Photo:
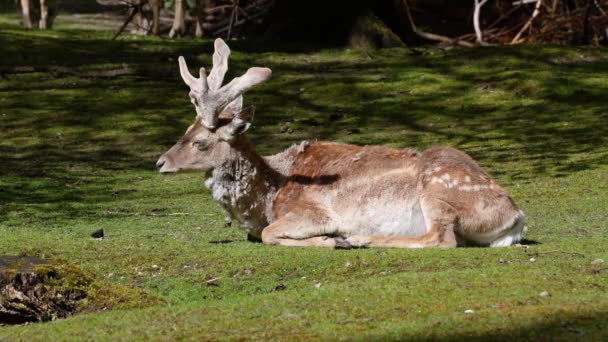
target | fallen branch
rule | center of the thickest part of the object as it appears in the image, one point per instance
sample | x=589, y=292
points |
x=432, y=36
x=134, y=10
x=213, y=281
x=234, y=16
x=516, y=39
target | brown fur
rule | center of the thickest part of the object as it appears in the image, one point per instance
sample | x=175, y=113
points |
x=304, y=204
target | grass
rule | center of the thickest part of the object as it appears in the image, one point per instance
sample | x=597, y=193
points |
x=78, y=154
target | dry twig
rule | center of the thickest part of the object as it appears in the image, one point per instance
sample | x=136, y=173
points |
x=516, y=39
x=432, y=36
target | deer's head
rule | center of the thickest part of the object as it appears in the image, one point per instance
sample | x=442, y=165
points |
x=208, y=142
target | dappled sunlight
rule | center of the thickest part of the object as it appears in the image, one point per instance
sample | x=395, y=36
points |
x=78, y=152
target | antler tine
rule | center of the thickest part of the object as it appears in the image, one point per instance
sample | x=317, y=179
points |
x=212, y=98
x=186, y=75
x=203, y=80
x=239, y=85
x=228, y=97
x=220, y=64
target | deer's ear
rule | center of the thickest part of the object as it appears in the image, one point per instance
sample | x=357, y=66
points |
x=239, y=125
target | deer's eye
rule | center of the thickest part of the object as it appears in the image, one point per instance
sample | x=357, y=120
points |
x=201, y=144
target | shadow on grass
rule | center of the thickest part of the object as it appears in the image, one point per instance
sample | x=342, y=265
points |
x=558, y=327
x=525, y=111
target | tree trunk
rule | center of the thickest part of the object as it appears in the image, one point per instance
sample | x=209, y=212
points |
x=44, y=15
x=178, y=28
x=25, y=12
x=199, y=13
x=155, y=4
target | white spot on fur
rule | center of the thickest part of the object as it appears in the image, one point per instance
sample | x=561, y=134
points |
x=476, y=187
x=437, y=168
x=467, y=179
x=466, y=188
x=445, y=177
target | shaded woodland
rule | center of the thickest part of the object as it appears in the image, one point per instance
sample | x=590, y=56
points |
x=363, y=24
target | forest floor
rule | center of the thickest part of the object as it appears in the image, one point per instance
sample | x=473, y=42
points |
x=83, y=120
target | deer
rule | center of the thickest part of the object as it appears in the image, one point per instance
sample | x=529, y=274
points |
x=331, y=194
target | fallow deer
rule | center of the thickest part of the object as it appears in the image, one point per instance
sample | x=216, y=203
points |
x=330, y=194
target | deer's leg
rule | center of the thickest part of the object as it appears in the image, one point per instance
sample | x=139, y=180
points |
x=227, y=216
x=302, y=230
x=440, y=219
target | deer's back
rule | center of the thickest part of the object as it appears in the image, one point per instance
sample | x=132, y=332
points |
x=348, y=179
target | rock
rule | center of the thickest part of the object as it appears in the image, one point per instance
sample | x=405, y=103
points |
x=544, y=294
x=597, y=262
x=98, y=234
x=532, y=260
x=36, y=290
x=469, y=311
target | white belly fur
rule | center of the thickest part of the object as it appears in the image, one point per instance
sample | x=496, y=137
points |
x=384, y=219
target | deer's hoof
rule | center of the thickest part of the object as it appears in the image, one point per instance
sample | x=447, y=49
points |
x=342, y=244
x=358, y=241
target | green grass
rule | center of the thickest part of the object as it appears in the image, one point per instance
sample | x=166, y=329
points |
x=78, y=155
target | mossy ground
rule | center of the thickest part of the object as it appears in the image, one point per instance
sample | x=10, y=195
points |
x=37, y=290
x=78, y=155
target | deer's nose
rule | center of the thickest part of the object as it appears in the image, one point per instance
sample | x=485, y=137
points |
x=160, y=163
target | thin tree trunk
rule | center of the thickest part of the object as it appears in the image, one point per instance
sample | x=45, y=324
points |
x=476, y=14
x=199, y=28
x=178, y=20
x=44, y=15
x=199, y=13
x=25, y=12
x=155, y=4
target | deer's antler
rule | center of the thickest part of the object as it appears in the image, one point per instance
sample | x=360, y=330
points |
x=207, y=93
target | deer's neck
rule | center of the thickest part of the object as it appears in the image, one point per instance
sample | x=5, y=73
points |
x=245, y=185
